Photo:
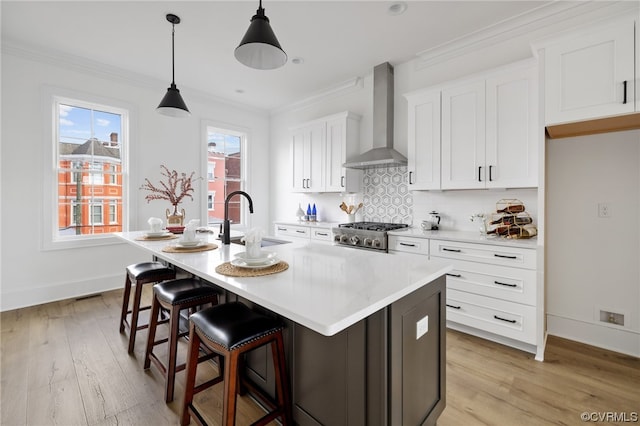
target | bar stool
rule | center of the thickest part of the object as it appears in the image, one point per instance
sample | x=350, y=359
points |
x=231, y=329
x=140, y=274
x=174, y=296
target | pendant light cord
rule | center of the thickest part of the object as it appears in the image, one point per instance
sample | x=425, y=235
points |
x=173, y=53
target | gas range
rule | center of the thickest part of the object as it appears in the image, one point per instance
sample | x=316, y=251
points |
x=367, y=235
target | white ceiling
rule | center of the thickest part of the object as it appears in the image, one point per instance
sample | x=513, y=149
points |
x=338, y=40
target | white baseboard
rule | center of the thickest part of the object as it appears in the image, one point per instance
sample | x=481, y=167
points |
x=526, y=347
x=34, y=295
x=601, y=336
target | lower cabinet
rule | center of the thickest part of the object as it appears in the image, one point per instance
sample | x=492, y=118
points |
x=492, y=288
x=492, y=291
x=316, y=233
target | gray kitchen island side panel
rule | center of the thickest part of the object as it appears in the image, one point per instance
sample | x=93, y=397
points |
x=418, y=363
x=328, y=376
x=376, y=372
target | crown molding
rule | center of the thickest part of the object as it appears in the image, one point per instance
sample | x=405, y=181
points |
x=537, y=19
x=109, y=72
x=340, y=89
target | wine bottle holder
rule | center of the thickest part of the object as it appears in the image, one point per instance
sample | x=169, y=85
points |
x=511, y=220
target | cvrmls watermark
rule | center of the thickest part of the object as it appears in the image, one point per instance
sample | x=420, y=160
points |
x=609, y=416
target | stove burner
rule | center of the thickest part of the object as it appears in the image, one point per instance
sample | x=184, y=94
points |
x=373, y=226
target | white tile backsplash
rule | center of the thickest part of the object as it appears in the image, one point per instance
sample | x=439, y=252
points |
x=386, y=195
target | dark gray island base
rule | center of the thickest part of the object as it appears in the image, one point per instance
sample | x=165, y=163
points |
x=376, y=372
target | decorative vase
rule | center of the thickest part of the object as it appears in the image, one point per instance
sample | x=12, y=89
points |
x=176, y=218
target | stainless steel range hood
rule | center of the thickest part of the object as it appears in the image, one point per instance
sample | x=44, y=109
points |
x=382, y=153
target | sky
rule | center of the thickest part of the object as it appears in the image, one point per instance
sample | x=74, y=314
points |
x=77, y=125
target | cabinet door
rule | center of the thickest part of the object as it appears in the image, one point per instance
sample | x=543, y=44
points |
x=512, y=136
x=424, y=140
x=463, y=136
x=300, y=160
x=336, y=150
x=307, y=151
x=585, y=76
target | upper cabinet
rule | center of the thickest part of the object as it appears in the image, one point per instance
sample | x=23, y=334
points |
x=319, y=148
x=476, y=133
x=590, y=74
x=424, y=140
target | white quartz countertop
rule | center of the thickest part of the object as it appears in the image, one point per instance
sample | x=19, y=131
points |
x=326, y=288
x=466, y=236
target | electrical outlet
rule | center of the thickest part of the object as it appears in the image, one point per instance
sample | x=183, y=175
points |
x=422, y=327
x=604, y=210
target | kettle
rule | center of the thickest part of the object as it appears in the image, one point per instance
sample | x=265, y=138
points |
x=432, y=223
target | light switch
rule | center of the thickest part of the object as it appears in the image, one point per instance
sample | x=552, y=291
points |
x=422, y=327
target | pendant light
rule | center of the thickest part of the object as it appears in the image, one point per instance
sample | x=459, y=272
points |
x=172, y=103
x=259, y=47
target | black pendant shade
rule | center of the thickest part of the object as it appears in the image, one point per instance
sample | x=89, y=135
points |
x=259, y=47
x=172, y=104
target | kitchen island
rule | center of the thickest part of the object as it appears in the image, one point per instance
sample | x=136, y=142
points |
x=365, y=330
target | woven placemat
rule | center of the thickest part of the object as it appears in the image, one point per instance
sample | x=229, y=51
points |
x=176, y=249
x=233, y=271
x=164, y=237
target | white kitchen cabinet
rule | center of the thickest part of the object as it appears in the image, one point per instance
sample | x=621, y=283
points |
x=424, y=140
x=318, y=232
x=292, y=232
x=463, y=136
x=476, y=133
x=590, y=73
x=307, y=147
x=511, y=151
x=408, y=244
x=493, y=289
x=319, y=149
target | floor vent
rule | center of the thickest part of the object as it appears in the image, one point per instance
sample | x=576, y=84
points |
x=612, y=318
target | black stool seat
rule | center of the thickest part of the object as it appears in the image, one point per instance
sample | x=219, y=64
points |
x=148, y=270
x=233, y=324
x=139, y=274
x=182, y=291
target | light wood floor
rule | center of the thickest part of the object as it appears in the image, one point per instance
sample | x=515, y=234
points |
x=65, y=363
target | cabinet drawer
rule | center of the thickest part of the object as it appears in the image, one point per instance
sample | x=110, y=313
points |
x=501, y=282
x=507, y=319
x=409, y=244
x=292, y=231
x=485, y=253
x=323, y=234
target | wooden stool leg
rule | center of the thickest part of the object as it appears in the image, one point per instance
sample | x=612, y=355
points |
x=192, y=365
x=231, y=389
x=125, y=303
x=174, y=325
x=137, y=297
x=151, y=338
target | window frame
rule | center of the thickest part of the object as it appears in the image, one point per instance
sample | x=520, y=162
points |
x=51, y=98
x=245, y=136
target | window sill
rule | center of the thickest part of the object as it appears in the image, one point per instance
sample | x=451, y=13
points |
x=81, y=242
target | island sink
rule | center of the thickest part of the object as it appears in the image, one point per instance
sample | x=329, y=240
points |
x=266, y=242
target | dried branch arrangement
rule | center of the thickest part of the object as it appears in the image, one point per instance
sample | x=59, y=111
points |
x=176, y=187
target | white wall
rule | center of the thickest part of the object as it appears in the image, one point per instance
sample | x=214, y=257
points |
x=31, y=275
x=593, y=263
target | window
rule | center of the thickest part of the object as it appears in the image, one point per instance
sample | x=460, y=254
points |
x=225, y=173
x=113, y=213
x=96, y=213
x=88, y=179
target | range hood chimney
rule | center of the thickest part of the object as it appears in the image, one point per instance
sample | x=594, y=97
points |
x=382, y=153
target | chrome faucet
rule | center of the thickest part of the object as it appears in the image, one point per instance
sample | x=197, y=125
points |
x=226, y=237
